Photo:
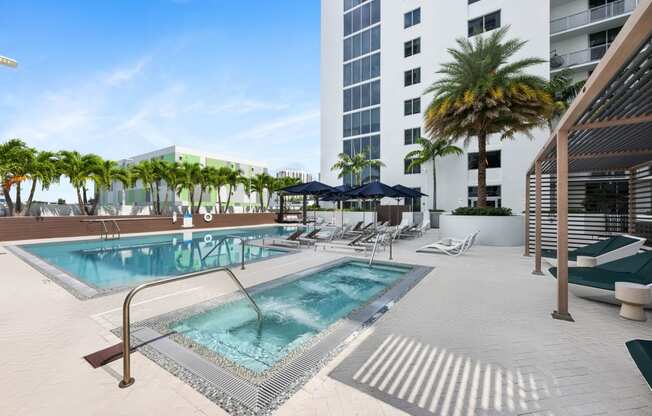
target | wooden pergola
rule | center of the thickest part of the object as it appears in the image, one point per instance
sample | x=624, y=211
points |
x=607, y=128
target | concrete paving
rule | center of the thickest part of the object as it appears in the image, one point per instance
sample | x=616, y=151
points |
x=475, y=337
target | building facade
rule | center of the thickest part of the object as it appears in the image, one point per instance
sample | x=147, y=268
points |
x=379, y=56
x=140, y=195
x=297, y=174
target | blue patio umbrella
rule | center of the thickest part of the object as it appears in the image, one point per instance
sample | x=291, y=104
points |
x=339, y=196
x=376, y=190
x=314, y=188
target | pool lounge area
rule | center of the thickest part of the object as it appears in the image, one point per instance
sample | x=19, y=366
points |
x=467, y=338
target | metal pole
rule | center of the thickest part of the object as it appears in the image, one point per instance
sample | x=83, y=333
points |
x=527, y=216
x=562, y=228
x=537, y=219
x=391, y=241
x=631, y=206
x=127, y=380
x=242, y=266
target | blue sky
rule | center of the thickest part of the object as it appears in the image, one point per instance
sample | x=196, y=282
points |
x=123, y=77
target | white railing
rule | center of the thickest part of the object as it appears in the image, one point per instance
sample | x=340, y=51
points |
x=584, y=56
x=593, y=15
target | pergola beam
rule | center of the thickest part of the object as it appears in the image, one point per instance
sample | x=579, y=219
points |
x=627, y=121
x=599, y=155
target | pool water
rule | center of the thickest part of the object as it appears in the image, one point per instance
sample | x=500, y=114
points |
x=133, y=260
x=293, y=313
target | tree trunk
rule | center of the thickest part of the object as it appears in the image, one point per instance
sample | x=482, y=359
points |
x=80, y=202
x=165, y=200
x=201, y=197
x=96, y=200
x=269, y=197
x=219, y=200
x=482, y=170
x=8, y=201
x=158, y=198
x=434, y=185
x=84, y=194
x=191, y=195
x=228, y=199
x=262, y=201
x=19, y=202
x=30, y=198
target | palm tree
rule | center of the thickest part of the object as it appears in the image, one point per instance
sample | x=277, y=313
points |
x=15, y=159
x=144, y=172
x=219, y=182
x=480, y=94
x=106, y=174
x=429, y=150
x=232, y=179
x=159, y=170
x=355, y=165
x=258, y=184
x=169, y=172
x=207, y=179
x=79, y=169
x=245, y=181
x=563, y=89
x=189, y=174
x=44, y=169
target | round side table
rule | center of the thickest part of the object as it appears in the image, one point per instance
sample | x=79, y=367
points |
x=633, y=297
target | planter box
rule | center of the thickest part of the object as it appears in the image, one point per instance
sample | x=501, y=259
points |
x=494, y=231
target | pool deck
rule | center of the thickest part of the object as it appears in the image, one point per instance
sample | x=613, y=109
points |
x=475, y=337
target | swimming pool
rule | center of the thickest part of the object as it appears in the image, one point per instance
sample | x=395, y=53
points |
x=249, y=367
x=101, y=266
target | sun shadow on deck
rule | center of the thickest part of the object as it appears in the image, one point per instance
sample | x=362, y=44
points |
x=422, y=379
x=114, y=352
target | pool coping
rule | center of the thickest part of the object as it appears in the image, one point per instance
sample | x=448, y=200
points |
x=83, y=291
x=234, y=391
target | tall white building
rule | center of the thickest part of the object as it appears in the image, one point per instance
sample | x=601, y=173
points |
x=379, y=56
x=303, y=176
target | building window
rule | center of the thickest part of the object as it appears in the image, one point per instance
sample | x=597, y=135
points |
x=484, y=23
x=412, y=18
x=364, y=95
x=363, y=122
x=362, y=43
x=362, y=17
x=371, y=147
x=416, y=169
x=362, y=70
x=493, y=196
x=412, y=106
x=493, y=160
x=473, y=1
x=599, y=42
x=411, y=135
x=413, y=76
x=349, y=4
x=412, y=47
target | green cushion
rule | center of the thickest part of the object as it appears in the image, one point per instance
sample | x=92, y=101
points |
x=634, y=269
x=594, y=249
x=641, y=352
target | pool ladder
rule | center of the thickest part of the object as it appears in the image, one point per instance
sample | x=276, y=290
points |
x=222, y=240
x=379, y=238
x=127, y=380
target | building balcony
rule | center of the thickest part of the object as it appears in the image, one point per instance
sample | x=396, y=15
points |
x=583, y=60
x=592, y=19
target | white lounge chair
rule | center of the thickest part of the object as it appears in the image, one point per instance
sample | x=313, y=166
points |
x=450, y=246
x=290, y=241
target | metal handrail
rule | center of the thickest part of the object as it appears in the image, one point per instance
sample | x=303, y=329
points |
x=117, y=228
x=222, y=240
x=373, y=252
x=593, y=15
x=127, y=380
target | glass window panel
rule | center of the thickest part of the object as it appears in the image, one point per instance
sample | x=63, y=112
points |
x=356, y=72
x=356, y=146
x=355, y=20
x=375, y=173
x=407, y=107
x=375, y=120
x=407, y=46
x=356, y=46
x=366, y=68
x=347, y=147
x=366, y=42
x=375, y=65
x=416, y=106
x=375, y=147
x=407, y=136
x=366, y=147
x=375, y=11
x=375, y=38
x=375, y=93
x=407, y=20
x=348, y=74
x=347, y=49
x=416, y=46
x=365, y=95
x=407, y=78
x=416, y=76
x=347, y=125
x=355, y=124
x=475, y=26
x=347, y=100
x=492, y=21
x=355, y=97
x=348, y=28
x=416, y=16
x=365, y=15
x=365, y=122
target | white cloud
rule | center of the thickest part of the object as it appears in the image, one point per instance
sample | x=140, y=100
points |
x=281, y=126
x=124, y=75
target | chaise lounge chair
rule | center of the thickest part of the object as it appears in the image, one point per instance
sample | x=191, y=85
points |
x=451, y=246
x=357, y=244
x=641, y=352
x=600, y=252
x=290, y=241
x=599, y=282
